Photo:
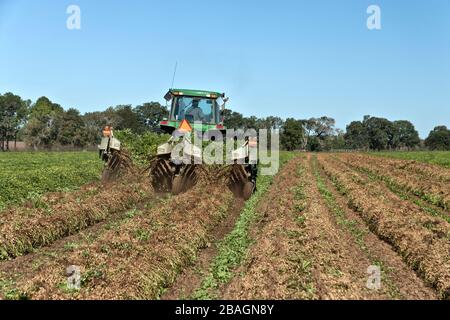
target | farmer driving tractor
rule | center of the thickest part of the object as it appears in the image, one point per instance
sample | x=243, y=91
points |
x=195, y=113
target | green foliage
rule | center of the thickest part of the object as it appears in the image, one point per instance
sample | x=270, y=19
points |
x=45, y=124
x=13, y=115
x=70, y=128
x=357, y=136
x=405, y=135
x=150, y=114
x=145, y=117
x=41, y=130
x=419, y=198
x=9, y=291
x=293, y=134
x=314, y=134
x=233, y=119
x=439, y=139
x=335, y=142
x=381, y=134
x=128, y=119
x=141, y=146
x=27, y=175
x=314, y=144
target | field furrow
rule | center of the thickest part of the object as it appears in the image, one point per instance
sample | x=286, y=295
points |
x=422, y=240
x=233, y=248
x=23, y=229
x=431, y=183
x=411, y=167
x=405, y=193
x=134, y=259
x=305, y=250
x=271, y=269
x=397, y=279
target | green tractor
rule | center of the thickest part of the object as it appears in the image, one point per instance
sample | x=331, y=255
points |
x=193, y=112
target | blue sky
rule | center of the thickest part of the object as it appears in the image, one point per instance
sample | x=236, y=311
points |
x=288, y=58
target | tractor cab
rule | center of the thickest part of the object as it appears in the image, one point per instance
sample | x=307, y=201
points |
x=200, y=110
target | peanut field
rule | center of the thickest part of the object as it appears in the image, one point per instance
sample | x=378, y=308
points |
x=322, y=228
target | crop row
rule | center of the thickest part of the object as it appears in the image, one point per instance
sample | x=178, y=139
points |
x=421, y=183
x=137, y=257
x=423, y=241
x=236, y=246
x=23, y=229
x=441, y=158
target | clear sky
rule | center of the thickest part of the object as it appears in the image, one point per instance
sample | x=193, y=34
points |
x=288, y=58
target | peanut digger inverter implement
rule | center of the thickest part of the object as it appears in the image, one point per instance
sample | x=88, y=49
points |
x=193, y=112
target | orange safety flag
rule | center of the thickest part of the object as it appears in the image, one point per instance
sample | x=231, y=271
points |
x=185, y=126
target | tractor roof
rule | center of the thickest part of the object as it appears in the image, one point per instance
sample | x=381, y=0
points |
x=195, y=93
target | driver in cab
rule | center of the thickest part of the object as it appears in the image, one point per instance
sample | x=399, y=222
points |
x=194, y=112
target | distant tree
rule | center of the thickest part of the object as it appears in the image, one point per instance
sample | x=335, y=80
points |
x=13, y=116
x=335, y=142
x=438, y=139
x=233, y=119
x=323, y=126
x=109, y=117
x=292, y=134
x=251, y=123
x=272, y=122
x=356, y=136
x=405, y=135
x=317, y=131
x=37, y=133
x=44, y=123
x=71, y=128
x=127, y=118
x=308, y=127
x=44, y=108
x=150, y=114
x=381, y=133
x=40, y=130
x=314, y=144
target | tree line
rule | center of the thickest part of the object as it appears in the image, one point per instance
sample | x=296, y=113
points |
x=320, y=134
x=44, y=124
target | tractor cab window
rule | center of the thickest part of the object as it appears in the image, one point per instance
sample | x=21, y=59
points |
x=194, y=109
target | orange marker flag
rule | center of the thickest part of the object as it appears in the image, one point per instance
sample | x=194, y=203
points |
x=185, y=126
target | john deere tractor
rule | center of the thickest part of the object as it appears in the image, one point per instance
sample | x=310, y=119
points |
x=192, y=112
